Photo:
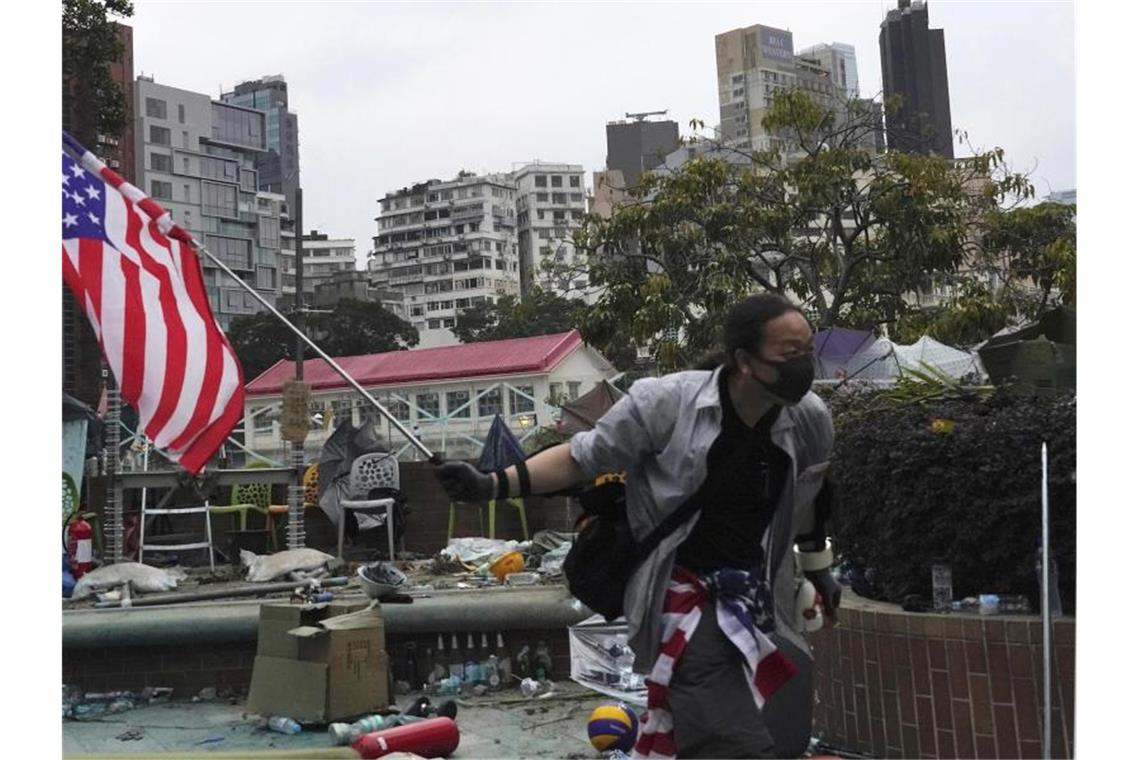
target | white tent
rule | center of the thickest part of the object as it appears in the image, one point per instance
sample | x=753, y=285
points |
x=885, y=360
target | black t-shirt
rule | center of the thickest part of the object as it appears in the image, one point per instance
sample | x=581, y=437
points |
x=746, y=474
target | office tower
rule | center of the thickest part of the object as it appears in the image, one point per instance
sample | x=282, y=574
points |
x=913, y=58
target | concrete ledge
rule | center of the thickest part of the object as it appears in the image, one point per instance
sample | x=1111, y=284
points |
x=467, y=610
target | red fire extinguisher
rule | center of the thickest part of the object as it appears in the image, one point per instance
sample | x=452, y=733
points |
x=79, y=535
x=434, y=737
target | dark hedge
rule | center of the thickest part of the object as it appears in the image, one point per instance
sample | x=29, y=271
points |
x=971, y=498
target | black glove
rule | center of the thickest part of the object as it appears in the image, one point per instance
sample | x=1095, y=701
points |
x=829, y=590
x=464, y=483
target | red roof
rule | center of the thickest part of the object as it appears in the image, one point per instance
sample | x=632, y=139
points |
x=517, y=356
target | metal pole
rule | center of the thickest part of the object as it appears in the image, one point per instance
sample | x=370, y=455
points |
x=336, y=367
x=295, y=529
x=1046, y=612
x=113, y=511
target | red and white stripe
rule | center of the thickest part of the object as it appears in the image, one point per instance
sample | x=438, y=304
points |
x=146, y=299
x=764, y=666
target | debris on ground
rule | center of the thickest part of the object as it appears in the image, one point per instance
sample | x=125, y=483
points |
x=130, y=735
x=141, y=578
x=211, y=740
x=262, y=568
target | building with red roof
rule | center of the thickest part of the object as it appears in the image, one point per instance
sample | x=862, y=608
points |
x=449, y=395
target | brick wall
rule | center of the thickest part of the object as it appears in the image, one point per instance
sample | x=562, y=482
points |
x=897, y=684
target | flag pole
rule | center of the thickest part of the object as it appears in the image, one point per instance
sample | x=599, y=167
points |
x=423, y=449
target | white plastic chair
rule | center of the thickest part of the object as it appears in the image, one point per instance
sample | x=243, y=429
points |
x=380, y=470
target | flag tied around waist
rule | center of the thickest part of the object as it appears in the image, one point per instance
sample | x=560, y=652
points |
x=138, y=278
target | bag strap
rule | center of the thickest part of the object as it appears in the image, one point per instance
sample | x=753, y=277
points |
x=645, y=547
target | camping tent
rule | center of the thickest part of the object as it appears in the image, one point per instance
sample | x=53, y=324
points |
x=884, y=360
x=583, y=413
x=833, y=347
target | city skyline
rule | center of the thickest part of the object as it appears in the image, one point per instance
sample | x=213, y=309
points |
x=379, y=109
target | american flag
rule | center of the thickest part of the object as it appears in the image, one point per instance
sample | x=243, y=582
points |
x=137, y=276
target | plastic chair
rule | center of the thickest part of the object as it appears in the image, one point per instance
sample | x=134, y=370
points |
x=516, y=502
x=379, y=470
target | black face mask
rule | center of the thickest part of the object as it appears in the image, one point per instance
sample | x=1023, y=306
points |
x=794, y=381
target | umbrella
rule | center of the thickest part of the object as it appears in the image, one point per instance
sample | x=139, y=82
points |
x=583, y=413
x=337, y=455
x=501, y=449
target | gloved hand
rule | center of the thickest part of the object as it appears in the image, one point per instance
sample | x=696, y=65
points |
x=464, y=483
x=829, y=590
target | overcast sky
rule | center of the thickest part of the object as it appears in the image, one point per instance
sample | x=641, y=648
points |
x=388, y=94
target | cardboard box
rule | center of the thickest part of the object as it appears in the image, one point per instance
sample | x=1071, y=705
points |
x=325, y=668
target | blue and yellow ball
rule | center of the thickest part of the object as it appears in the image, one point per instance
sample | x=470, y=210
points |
x=613, y=726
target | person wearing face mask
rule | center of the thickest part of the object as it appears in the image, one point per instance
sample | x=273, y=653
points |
x=712, y=611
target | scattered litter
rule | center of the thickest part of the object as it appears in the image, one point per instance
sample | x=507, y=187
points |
x=142, y=578
x=529, y=687
x=601, y=659
x=208, y=694
x=522, y=579
x=476, y=550
x=131, y=735
x=283, y=725
x=212, y=740
x=264, y=568
x=553, y=559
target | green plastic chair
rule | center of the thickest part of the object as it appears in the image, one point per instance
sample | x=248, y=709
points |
x=516, y=502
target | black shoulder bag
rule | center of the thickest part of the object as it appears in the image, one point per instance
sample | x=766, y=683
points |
x=604, y=554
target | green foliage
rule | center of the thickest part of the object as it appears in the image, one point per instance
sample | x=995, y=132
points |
x=822, y=218
x=914, y=492
x=92, y=102
x=542, y=312
x=352, y=328
x=539, y=312
x=1037, y=245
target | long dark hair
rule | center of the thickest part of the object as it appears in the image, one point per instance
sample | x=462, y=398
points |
x=744, y=327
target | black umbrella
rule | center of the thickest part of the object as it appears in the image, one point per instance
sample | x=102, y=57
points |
x=341, y=449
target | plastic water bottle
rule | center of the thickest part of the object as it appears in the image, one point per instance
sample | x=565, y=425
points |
x=283, y=725
x=624, y=660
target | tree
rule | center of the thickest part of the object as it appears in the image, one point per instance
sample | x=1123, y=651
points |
x=92, y=102
x=1035, y=245
x=820, y=217
x=352, y=328
x=539, y=312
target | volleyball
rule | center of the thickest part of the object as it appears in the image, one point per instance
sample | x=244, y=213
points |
x=613, y=726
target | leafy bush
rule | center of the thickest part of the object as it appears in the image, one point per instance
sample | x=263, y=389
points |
x=915, y=492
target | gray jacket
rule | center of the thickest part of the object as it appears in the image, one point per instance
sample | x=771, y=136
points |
x=660, y=434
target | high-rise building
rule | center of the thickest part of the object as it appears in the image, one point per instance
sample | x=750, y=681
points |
x=753, y=64
x=838, y=59
x=197, y=158
x=278, y=169
x=323, y=259
x=634, y=147
x=914, y=67
x=447, y=246
x=81, y=352
x=550, y=201
x=1068, y=197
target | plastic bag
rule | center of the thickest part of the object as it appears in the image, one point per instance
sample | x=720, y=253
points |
x=601, y=659
x=476, y=550
x=552, y=560
x=142, y=579
x=262, y=568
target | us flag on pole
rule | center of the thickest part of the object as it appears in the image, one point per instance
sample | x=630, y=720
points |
x=137, y=276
